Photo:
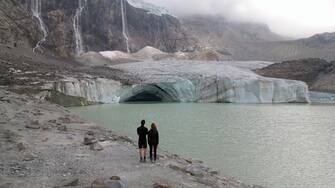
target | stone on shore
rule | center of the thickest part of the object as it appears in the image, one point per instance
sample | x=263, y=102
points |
x=113, y=182
x=21, y=146
x=34, y=124
x=96, y=147
x=161, y=185
x=89, y=138
x=69, y=183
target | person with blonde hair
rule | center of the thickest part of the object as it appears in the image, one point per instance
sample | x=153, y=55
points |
x=153, y=141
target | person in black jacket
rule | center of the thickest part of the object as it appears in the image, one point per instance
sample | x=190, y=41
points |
x=153, y=141
x=142, y=141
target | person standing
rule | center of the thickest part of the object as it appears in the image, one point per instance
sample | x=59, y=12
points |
x=153, y=141
x=142, y=132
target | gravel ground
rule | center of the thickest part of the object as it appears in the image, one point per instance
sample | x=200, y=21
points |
x=41, y=145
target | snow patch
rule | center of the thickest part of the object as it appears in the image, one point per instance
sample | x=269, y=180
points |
x=152, y=9
x=115, y=55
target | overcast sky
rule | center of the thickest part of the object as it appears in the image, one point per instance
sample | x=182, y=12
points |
x=294, y=18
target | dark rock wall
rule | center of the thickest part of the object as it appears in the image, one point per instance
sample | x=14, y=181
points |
x=17, y=26
x=101, y=26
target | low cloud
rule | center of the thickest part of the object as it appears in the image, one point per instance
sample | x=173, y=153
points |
x=294, y=18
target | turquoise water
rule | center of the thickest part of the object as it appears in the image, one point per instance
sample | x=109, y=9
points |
x=277, y=146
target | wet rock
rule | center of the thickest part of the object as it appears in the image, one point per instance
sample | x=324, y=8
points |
x=177, y=167
x=96, y=147
x=89, y=138
x=192, y=161
x=214, y=172
x=208, y=181
x=195, y=171
x=161, y=185
x=125, y=139
x=69, y=183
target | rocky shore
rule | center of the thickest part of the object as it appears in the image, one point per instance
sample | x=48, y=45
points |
x=45, y=145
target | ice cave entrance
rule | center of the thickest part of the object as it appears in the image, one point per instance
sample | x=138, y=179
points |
x=148, y=93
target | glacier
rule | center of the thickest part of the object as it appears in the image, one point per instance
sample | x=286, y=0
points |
x=99, y=90
x=185, y=81
x=201, y=81
x=152, y=9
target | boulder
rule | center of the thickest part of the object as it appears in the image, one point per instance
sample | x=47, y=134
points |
x=161, y=185
x=89, y=138
x=34, y=124
x=21, y=146
x=96, y=147
x=113, y=182
x=62, y=128
x=69, y=183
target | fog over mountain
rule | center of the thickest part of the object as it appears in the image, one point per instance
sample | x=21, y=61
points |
x=296, y=19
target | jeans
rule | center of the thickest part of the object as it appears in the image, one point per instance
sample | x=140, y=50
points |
x=154, y=147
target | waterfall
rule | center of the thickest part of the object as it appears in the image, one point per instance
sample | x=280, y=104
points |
x=124, y=24
x=76, y=27
x=36, y=9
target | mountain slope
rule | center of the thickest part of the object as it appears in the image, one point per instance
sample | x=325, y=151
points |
x=251, y=41
x=317, y=73
x=87, y=25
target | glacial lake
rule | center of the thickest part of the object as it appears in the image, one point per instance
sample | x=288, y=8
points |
x=276, y=146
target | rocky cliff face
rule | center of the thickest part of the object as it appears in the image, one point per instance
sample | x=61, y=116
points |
x=17, y=28
x=90, y=25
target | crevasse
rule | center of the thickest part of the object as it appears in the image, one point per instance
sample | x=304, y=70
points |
x=36, y=9
x=77, y=28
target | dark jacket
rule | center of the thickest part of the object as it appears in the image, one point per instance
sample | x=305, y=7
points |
x=153, y=137
x=142, y=134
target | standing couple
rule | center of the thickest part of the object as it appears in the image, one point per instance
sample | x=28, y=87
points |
x=153, y=141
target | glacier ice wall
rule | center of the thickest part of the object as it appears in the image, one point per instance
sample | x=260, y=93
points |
x=212, y=82
x=92, y=89
x=181, y=91
x=185, y=81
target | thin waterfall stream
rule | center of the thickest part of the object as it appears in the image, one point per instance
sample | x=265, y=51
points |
x=77, y=28
x=36, y=9
x=124, y=24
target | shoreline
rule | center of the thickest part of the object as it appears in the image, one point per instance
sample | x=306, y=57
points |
x=43, y=146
